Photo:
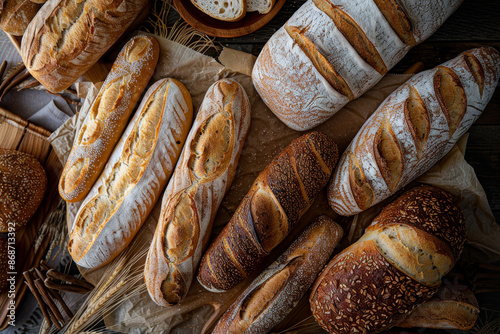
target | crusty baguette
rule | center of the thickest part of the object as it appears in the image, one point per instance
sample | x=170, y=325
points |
x=412, y=129
x=108, y=117
x=201, y=179
x=67, y=37
x=22, y=186
x=332, y=51
x=225, y=10
x=282, y=192
x=450, y=308
x=16, y=15
x=277, y=290
x=135, y=175
x=395, y=266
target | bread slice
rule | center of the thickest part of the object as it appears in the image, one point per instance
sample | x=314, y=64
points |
x=225, y=10
x=261, y=6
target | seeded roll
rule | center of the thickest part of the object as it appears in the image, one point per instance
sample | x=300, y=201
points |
x=282, y=192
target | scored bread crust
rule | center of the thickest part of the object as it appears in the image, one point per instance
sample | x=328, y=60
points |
x=365, y=28
x=278, y=289
x=202, y=177
x=22, y=186
x=218, y=9
x=67, y=37
x=279, y=196
x=136, y=173
x=412, y=129
x=375, y=283
x=16, y=15
x=108, y=116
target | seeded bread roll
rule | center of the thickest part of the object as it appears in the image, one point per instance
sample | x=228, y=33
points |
x=332, y=51
x=412, y=129
x=16, y=15
x=108, y=117
x=67, y=37
x=201, y=179
x=136, y=173
x=395, y=266
x=449, y=308
x=282, y=192
x=275, y=292
x=22, y=186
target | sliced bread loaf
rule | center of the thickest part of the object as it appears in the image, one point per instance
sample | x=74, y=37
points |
x=262, y=6
x=225, y=10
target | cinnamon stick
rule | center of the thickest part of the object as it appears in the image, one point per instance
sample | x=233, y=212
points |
x=31, y=286
x=41, y=288
x=68, y=278
x=55, y=295
x=2, y=68
x=50, y=283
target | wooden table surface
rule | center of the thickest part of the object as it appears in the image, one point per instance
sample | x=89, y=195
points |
x=475, y=23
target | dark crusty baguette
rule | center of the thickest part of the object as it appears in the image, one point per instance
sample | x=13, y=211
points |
x=67, y=37
x=202, y=177
x=332, y=51
x=451, y=307
x=22, y=186
x=282, y=192
x=108, y=117
x=412, y=129
x=395, y=266
x=277, y=290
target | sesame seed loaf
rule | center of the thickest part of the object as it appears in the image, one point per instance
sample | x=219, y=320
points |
x=133, y=178
x=396, y=265
x=67, y=37
x=279, y=196
x=108, y=117
x=276, y=291
x=16, y=15
x=412, y=129
x=22, y=186
x=332, y=51
x=202, y=177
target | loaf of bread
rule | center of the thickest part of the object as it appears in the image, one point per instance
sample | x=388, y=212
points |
x=135, y=175
x=225, y=10
x=67, y=37
x=412, y=129
x=282, y=192
x=450, y=308
x=22, y=186
x=16, y=15
x=261, y=6
x=277, y=290
x=108, y=117
x=201, y=179
x=332, y=51
x=395, y=266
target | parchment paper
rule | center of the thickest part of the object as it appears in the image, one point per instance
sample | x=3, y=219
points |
x=267, y=137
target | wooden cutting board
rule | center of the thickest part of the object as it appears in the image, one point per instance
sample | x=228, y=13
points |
x=18, y=134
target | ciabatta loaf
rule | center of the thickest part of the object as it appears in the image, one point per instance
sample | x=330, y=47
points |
x=108, y=117
x=278, y=289
x=412, y=129
x=280, y=195
x=332, y=51
x=67, y=37
x=395, y=266
x=201, y=179
x=135, y=175
x=225, y=10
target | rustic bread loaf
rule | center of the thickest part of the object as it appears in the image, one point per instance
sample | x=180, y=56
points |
x=67, y=37
x=412, y=129
x=277, y=290
x=22, y=186
x=395, y=266
x=135, y=175
x=261, y=6
x=108, y=117
x=282, y=192
x=225, y=10
x=332, y=51
x=16, y=15
x=201, y=179
x=449, y=308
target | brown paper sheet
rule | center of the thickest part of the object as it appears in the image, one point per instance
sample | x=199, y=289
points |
x=267, y=137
